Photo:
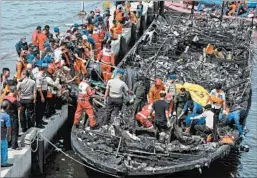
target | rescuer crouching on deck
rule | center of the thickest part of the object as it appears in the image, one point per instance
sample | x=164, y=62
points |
x=83, y=103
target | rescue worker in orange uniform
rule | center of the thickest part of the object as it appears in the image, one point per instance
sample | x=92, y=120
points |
x=119, y=15
x=142, y=116
x=83, y=103
x=79, y=65
x=88, y=51
x=21, y=64
x=232, y=8
x=41, y=40
x=116, y=29
x=154, y=93
x=35, y=36
x=98, y=41
x=106, y=56
x=132, y=17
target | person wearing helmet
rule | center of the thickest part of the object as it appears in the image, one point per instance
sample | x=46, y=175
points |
x=237, y=119
x=88, y=50
x=56, y=34
x=171, y=91
x=21, y=64
x=154, y=93
x=179, y=101
x=21, y=45
x=106, y=57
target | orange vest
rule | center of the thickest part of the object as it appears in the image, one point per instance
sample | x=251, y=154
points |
x=20, y=66
x=98, y=44
x=133, y=18
x=41, y=40
x=142, y=116
x=113, y=33
x=106, y=57
x=118, y=15
x=118, y=28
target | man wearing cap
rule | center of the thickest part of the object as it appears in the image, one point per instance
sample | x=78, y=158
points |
x=170, y=89
x=35, y=36
x=206, y=128
x=85, y=92
x=106, y=56
x=114, y=93
x=56, y=34
x=41, y=85
x=21, y=45
x=27, y=94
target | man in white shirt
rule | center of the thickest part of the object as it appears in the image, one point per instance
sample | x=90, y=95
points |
x=209, y=120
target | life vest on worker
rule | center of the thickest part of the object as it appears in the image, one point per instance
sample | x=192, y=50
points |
x=113, y=33
x=142, y=116
x=118, y=28
x=41, y=40
x=35, y=38
x=51, y=67
x=21, y=65
x=133, y=18
x=106, y=56
x=84, y=93
x=118, y=15
x=217, y=98
x=98, y=44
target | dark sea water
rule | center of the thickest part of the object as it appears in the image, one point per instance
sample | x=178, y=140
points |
x=19, y=18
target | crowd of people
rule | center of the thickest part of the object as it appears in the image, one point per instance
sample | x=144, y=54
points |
x=53, y=60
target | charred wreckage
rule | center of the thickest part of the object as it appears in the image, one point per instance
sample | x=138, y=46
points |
x=172, y=44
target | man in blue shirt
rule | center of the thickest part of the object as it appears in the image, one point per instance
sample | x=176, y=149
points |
x=238, y=118
x=5, y=133
x=191, y=109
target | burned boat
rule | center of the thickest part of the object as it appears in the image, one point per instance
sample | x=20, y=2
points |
x=178, y=45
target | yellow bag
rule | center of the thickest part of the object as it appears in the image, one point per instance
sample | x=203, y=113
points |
x=197, y=92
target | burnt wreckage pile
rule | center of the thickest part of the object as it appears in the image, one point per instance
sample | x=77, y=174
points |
x=175, y=46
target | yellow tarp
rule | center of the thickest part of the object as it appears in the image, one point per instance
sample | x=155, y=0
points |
x=197, y=92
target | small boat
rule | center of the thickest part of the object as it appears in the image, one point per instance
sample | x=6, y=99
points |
x=251, y=3
x=186, y=8
x=125, y=149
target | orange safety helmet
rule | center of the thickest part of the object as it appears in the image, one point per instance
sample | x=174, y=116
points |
x=158, y=82
x=97, y=11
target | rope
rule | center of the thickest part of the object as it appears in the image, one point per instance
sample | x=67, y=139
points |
x=79, y=162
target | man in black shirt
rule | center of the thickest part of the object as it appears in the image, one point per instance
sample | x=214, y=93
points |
x=161, y=109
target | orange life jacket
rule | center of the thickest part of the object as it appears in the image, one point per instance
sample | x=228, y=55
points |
x=142, y=116
x=20, y=66
x=118, y=15
x=106, y=56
